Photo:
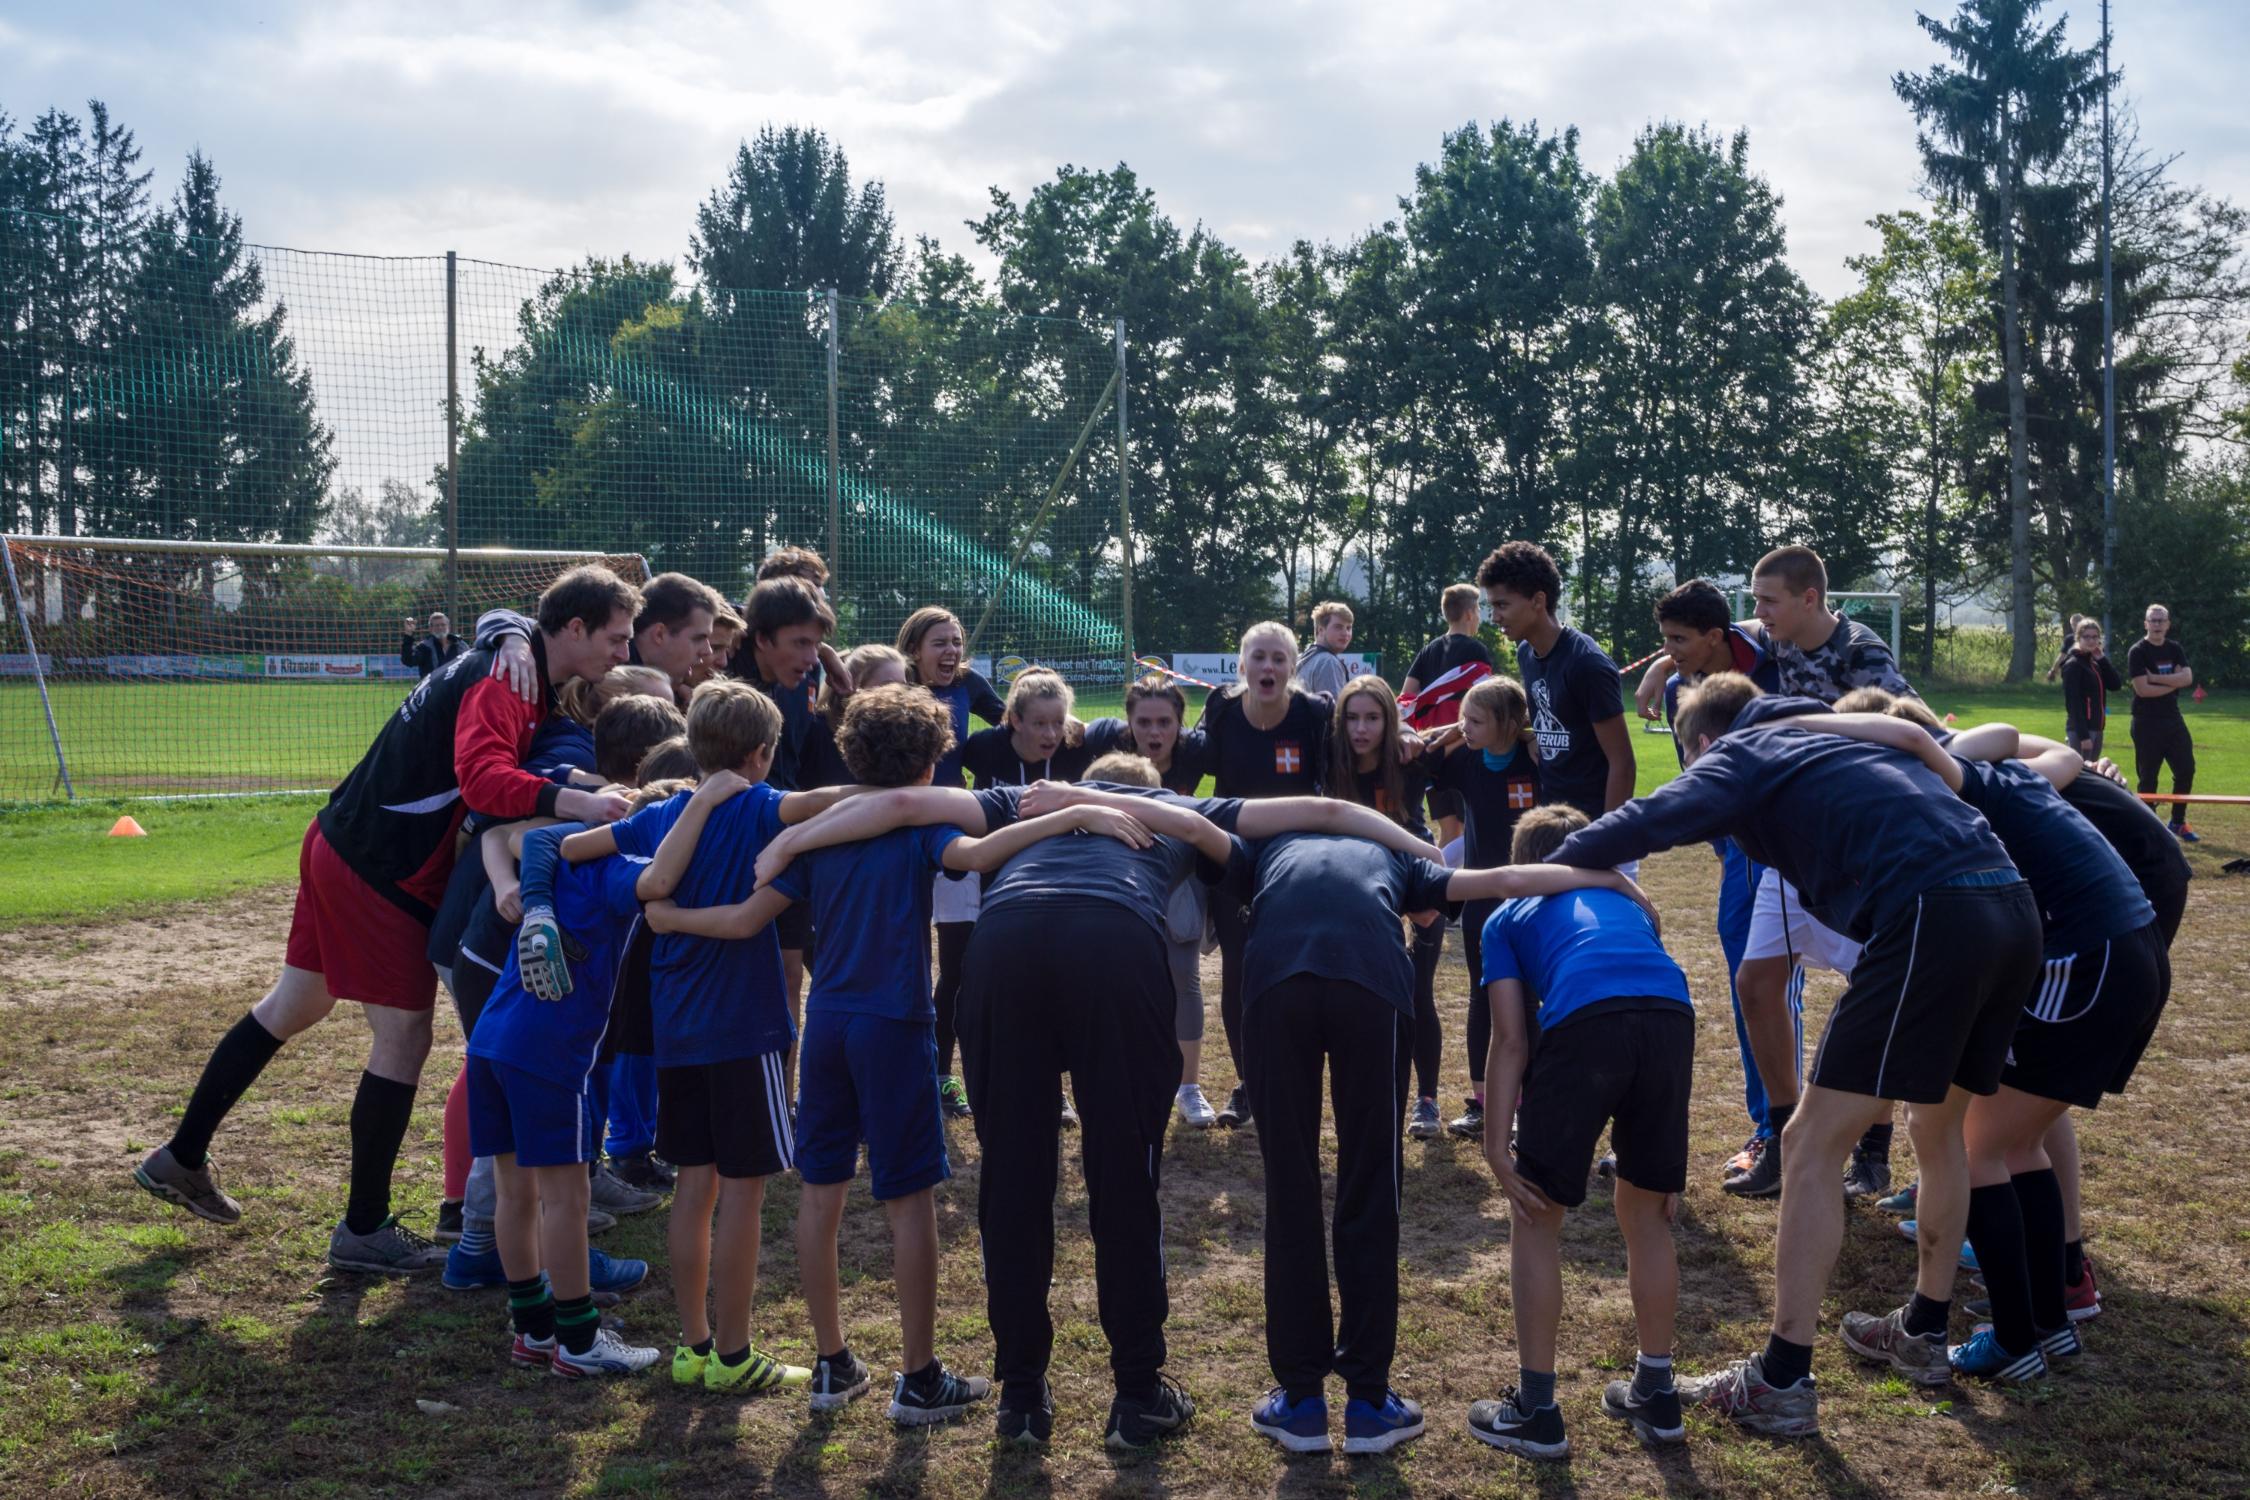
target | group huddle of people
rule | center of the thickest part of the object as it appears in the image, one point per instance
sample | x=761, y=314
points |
x=628, y=830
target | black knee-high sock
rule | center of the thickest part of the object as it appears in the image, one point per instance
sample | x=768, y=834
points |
x=2074, y=1262
x=1996, y=1233
x=1877, y=1140
x=379, y=1116
x=2039, y=1196
x=242, y=1054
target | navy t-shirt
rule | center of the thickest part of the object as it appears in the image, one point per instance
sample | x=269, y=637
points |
x=1572, y=688
x=2084, y=890
x=1283, y=761
x=991, y=760
x=559, y=1040
x=1493, y=799
x=1329, y=905
x=1367, y=790
x=864, y=896
x=1191, y=753
x=1082, y=866
x=968, y=693
x=1578, y=949
x=2147, y=659
x=2150, y=850
x=714, y=1000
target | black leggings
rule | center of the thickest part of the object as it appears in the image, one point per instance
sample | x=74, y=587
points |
x=1473, y=914
x=1427, y=944
x=952, y=959
x=1233, y=924
x=2157, y=742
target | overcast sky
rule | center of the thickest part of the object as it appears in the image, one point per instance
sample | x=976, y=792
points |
x=539, y=133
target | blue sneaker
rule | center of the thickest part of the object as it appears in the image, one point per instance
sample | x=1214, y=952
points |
x=470, y=1271
x=1369, y=1428
x=612, y=1274
x=1299, y=1426
x=1908, y=1227
x=606, y=1275
x=1983, y=1358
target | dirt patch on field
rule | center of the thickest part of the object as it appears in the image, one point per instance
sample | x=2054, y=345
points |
x=214, y=946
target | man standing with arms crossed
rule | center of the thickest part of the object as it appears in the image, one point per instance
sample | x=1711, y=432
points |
x=2158, y=668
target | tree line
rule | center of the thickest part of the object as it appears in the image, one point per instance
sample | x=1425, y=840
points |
x=1623, y=365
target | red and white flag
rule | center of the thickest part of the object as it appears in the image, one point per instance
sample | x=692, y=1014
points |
x=1439, y=703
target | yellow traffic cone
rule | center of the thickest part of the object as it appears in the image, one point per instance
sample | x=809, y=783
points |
x=126, y=828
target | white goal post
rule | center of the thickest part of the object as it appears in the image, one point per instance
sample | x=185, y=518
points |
x=144, y=666
x=1880, y=613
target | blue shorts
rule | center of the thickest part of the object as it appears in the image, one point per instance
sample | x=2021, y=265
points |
x=872, y=1079
x=543, y=1123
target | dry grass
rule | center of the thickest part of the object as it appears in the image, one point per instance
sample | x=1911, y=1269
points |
x=147, y=1353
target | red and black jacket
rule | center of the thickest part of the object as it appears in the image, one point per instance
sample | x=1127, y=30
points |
x=454, y=745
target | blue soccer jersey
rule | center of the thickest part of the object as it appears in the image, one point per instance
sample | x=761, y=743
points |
x=1574, y=950
x=558, y=1040
x=871, y=904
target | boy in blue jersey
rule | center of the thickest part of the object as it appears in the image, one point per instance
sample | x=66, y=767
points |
x=721, y=1026
x=1329, y=989
x=531, y=1108
x=1701, y=638
x=868, y=1070
x=1880, y=850
x=1585, y=974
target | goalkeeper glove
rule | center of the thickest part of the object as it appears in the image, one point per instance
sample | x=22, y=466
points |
x=540, y=956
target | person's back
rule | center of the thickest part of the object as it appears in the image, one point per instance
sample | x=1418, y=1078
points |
x=559, y=1040
x=2140, y=838
x=862, y=896
x=2085, y=890
x=1329, y=904
x=1581, y=950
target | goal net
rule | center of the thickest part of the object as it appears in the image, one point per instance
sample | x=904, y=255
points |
x=137, y=667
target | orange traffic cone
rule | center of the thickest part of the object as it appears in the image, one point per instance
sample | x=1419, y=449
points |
x=126, y=828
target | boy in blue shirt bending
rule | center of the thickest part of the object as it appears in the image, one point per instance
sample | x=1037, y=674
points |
x=531, y=1107
x=868, y=1070
x=1615, y=1047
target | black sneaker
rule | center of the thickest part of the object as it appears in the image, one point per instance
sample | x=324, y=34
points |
x=1655, y=1417
x=945, y=1397
x=1237, y=1111
x=1027, y=1426
x=1135, y=1424
x=448, y=1229
x=641, y=1169
x=1869, y=1175
x=1470, y=1126
x=837, y=1383
x=1763, y=1180
x=1505, y=1424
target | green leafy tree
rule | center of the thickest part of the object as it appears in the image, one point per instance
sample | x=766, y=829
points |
x=2004, y=107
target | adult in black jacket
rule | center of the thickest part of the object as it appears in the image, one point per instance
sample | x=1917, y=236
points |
x=2088, y=678
x=433, y=650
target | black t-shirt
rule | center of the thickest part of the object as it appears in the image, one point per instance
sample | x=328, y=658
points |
x=1414, y=784
x=2139, y=836
x=1491, y=801
x=2147, y=658
x=990, y=758
x=1283, y=761
x=1572, y=688
x=1329, y=905
x=1078, y=867
x=1191, y=753
x=2084, y=888
x=1433, y=661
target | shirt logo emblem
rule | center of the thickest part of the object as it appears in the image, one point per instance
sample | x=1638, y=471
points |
x=1521, y=794
x=1288, y=757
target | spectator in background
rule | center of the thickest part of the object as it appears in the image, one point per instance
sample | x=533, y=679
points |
x=2158, y=666
x=1322, y=668
x=2088, y=678
x=433, y=651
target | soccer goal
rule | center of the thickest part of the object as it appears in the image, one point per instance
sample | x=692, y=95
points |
x=135, y=667
x=1878, y=612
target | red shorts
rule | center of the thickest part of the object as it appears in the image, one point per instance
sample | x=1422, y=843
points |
x=362, y=946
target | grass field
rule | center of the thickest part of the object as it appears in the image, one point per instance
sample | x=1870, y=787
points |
x=146, y=1353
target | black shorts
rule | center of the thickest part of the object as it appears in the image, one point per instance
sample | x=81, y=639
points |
x=2089, y=1019
x=1625, y=1064
x=1443, y=802
x=1934, y=998
x=733, y=1115
x=793, y=928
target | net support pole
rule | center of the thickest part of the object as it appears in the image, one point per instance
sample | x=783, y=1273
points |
x=1124, y=509
x=452, y=439
x=38, y=673
x=835, y=480
x=2109, y=370
x=1039, y=517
